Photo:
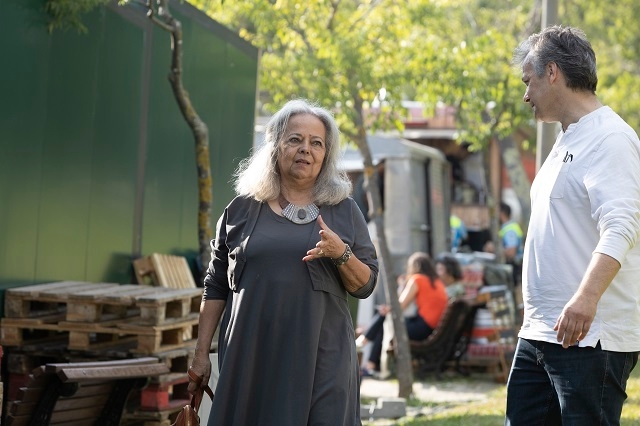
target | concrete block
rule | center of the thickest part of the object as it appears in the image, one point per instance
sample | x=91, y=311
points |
x=385, y=408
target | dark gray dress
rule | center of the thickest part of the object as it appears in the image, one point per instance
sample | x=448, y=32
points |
x=287, y=355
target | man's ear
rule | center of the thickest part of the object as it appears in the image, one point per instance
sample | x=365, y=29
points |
x=552, y=71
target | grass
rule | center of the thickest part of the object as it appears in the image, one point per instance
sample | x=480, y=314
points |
x=490, y=412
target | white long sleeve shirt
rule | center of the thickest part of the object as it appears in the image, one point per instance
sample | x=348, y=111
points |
x=586, y=199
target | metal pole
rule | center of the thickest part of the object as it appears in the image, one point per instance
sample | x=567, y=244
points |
x=546, y=132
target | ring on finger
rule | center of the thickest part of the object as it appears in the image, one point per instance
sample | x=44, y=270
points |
x=321, y=253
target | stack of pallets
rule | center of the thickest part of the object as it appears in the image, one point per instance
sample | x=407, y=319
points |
x=80, y=321
x=95, y=316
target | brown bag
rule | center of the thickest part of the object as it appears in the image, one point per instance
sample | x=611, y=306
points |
x=189, y=414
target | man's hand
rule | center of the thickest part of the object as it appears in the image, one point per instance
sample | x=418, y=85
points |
x=578, y=314
x=575, y=320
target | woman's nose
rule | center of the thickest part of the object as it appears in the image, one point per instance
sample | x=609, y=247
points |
x=304, y=146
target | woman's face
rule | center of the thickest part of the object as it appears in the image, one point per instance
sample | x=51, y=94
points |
x=303, y=149
x=441, y=270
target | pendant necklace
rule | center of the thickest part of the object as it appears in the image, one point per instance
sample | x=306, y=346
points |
x=298, y=214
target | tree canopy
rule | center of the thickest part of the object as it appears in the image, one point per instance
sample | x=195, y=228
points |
x=455, y=52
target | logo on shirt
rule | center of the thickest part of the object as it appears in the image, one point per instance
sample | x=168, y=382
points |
x=568, y=158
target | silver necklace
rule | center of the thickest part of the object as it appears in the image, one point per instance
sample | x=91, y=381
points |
x=298, y=214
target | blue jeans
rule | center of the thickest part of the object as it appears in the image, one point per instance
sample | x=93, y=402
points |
x=417, y=329
x=550, y=385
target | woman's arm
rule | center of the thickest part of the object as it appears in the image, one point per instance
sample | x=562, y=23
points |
x=210, y=314
x=354, y=273
x=408, y=294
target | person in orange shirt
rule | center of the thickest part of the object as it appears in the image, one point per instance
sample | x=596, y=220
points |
x=430, y=296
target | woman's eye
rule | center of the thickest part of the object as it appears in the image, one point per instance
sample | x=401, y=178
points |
x=317, y=143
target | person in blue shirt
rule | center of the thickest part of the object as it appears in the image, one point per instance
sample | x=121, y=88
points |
x=458, y=233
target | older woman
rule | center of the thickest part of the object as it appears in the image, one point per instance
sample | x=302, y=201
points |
x=287, y=251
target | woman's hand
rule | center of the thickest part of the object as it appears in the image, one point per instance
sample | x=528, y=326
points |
x=201, y=366
x=383, y=310
x=330, y=244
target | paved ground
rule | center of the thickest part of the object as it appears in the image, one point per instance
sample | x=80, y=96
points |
x=449, y=389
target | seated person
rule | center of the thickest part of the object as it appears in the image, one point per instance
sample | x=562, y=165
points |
x=427, y=290
x=450, y=273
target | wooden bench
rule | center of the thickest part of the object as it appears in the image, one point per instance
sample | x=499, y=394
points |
x=448, y=341
x=81, y=393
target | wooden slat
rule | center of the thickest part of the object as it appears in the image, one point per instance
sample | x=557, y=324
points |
x=164, y=270
x=121, y=372
x=55, y=367
x=145, y=274
x=172, y=271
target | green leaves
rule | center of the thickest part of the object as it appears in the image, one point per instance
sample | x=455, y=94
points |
x=67, y=14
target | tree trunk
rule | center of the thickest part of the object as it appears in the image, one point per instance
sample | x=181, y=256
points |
x=491, y=203
x=401, y=347
x=518, y=177
x=199, y=128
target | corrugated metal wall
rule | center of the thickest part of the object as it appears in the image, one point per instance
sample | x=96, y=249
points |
x=97, y=165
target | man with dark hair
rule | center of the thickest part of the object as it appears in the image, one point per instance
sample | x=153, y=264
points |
x=581, y=329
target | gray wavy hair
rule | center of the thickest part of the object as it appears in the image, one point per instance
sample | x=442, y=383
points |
x=257, y=176
x=569, y=48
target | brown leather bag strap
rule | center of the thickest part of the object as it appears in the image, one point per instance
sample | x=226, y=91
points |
x=196, y=399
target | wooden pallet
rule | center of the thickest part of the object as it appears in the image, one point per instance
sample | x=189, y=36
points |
x=45, y=299
x=150, y=417
x=89, y=302
x=143, y=339
x=165, y=393
x=169, y=305
x=140, y=303
x=21, y=331
x=177, y=360
x=164, y=270
x=102, y=304
x=159, y=338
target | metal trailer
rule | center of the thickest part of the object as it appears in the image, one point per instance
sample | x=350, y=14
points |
x=416, y=193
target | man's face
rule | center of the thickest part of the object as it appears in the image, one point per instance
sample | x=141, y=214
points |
x=537, y=93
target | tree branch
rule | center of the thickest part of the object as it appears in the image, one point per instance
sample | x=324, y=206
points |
x=163, y=18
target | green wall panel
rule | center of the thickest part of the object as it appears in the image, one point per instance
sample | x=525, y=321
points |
x=115, y=152
x=66, y=179
x=22, y=115
x=97, y=166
